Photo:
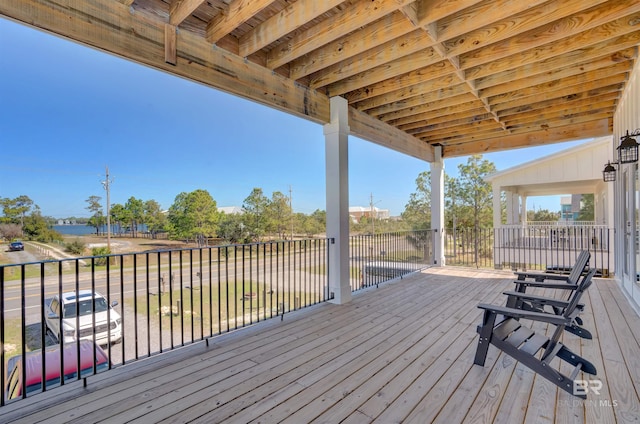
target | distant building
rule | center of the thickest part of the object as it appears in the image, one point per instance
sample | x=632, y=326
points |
x=357, y=212
x=67, y=222
x=570, y=207
x=231, y=210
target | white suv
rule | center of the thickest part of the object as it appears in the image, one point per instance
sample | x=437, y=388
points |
x=78, y=310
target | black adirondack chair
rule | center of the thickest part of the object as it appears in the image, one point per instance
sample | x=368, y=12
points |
x=517, y=298
x=502, y=327
x=539, y=278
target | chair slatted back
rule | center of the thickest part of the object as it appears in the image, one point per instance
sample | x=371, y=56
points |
x=581, y=262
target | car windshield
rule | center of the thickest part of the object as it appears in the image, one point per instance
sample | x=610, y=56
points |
x=85, y=307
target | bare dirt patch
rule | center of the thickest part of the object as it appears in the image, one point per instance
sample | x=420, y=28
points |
x=129, y=245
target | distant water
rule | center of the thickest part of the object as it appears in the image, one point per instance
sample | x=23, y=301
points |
x=76, y=230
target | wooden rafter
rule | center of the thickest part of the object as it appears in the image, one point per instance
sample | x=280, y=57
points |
x=470, y=75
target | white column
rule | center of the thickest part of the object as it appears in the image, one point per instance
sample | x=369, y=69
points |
x=437, y=206
x=513, y=208
x=509, y=198
x=523, y=210
x=497, y=207
x=336, y=135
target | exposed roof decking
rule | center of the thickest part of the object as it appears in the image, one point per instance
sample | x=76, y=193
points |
x=401, y=352
x=472, y=75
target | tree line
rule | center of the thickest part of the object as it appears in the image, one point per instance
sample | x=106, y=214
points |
x=469, y=200
x=195, y=215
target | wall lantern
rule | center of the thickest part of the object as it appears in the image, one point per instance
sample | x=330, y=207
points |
x=609, y=173
x=628, y=148
x=627, y=153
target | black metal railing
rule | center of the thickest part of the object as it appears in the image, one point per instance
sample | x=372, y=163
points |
x=375, y=258
x=165, y=299
x=539, y=247
x=159, y=300
x=469, y=247
x=552, y=248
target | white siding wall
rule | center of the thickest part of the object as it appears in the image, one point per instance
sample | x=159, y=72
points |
x=627, y=117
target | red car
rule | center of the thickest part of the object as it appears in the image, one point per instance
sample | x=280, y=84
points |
x=52, y=371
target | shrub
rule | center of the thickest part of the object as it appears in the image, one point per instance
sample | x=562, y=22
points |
x=76, y=247
x=100, y=251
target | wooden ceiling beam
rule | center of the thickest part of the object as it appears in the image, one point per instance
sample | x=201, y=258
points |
x=541, y=117
x=439, y=104
x=345, y=76
x=550, y=69
x=578, y=99
x=543, y=110
x=479, y=14
x=343, y=50
x=517, y=19
x=368, y=75
x=441, y=115
x=386, y=50
x=481, y=115
x=569, y=120
x=592, y=89
x=596, y=128
x=423, y=98
x=407, y=93
x=435, y=33
x=179, y=10
x=562, y=87
x=420, y=76
x=111, y=27
x=425, y=124
x=605, y=39
x=554, y=31
x=235, y=14
x=433, y=10
x=371, y=129
x=361, y=14
x=441, y=135
x=286, y=21
x=584, y=72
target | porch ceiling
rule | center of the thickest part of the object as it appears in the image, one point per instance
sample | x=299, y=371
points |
x=557, y=188
x=471, y=75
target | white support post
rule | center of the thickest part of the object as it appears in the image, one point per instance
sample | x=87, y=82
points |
x=336, y=134
x=437, y=206
x=516, y=209
x=523, y=211
x=513, y=208
x=497, y=206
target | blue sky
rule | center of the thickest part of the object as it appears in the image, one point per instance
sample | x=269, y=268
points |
x=68, y=111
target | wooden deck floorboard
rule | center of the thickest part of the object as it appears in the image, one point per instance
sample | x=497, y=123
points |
x=400, y=353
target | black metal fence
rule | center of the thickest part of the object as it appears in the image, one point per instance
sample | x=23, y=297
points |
x=539, y=247
x=151, y=302
x=165, y=299
x=137, y=305
x=380, y=257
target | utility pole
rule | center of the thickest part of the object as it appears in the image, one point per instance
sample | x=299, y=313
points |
x=291, y=207
x=373, y=229
x=106, y=184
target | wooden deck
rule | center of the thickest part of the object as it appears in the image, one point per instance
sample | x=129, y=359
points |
x=399, y=353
